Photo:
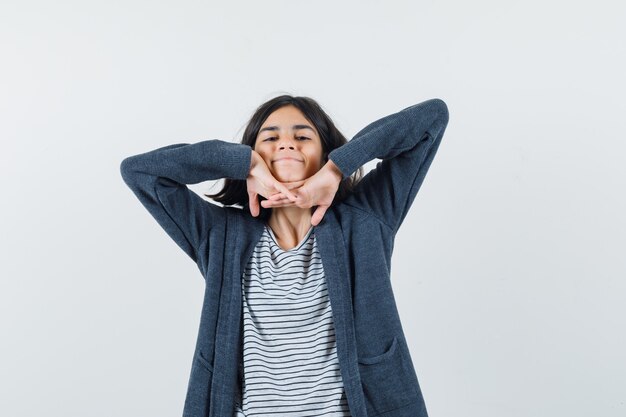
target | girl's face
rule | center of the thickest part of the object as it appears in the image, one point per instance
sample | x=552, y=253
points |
x=289, y=145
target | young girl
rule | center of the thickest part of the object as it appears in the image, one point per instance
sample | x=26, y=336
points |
x=299, y=317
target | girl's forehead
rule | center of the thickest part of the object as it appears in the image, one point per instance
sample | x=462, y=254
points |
x=287, y=121
x=286, y=114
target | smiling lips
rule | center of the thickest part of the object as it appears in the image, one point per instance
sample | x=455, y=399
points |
x=288, y=159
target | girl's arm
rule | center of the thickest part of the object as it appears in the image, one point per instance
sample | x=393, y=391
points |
x=158, y=178
x=406, y=142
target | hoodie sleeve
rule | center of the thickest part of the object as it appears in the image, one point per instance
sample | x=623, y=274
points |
x=406, y=141
x=158, y=178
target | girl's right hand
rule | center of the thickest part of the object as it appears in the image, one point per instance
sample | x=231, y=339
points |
x=260, y=181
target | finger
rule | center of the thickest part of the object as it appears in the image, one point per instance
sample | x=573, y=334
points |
x=280, y=201
x=285, y=191
x=284, y=200
x=286, y=203
x=254, y=204
x=318, y=215
x=278, y=196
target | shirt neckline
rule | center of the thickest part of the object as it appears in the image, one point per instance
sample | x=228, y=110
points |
x=294, y=249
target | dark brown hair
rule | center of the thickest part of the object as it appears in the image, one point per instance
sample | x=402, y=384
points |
x=235, y=191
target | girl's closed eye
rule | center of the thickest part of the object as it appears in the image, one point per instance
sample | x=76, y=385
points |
x=298, y=137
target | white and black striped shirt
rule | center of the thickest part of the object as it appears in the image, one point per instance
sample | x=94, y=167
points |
x=290, y=365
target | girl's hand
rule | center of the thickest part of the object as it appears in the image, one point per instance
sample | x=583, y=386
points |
x=318, y=190
x=260, y=181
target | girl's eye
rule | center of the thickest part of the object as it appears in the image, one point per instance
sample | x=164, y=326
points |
x=274, y=137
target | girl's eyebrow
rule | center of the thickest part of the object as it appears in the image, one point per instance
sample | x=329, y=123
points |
x=294, y=127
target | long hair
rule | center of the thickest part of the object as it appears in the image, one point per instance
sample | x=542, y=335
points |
x=235, y=191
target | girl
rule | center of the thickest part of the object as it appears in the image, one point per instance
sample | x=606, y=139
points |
x=304, y=267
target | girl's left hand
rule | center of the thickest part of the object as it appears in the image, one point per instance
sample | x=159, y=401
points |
x=317, y=190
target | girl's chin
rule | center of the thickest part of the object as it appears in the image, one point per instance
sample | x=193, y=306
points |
x=288, y=175
x=287, y=178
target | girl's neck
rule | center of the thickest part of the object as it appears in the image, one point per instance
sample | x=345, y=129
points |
x=290, y=224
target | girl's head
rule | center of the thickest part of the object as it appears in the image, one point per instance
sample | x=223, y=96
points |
x=292, y=127
x=290, y=145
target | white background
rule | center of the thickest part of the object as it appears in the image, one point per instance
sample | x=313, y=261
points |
x=509, y=270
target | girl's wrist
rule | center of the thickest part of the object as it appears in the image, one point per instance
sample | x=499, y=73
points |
x=254, y=159
x=334, y=169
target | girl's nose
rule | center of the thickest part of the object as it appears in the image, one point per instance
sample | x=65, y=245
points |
x=286, y=141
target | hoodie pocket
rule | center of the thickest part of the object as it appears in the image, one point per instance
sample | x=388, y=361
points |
x=386, y=381
x=199, y=388
x=204, y=361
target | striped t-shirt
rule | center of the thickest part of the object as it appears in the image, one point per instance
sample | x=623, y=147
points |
x=290, y=365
